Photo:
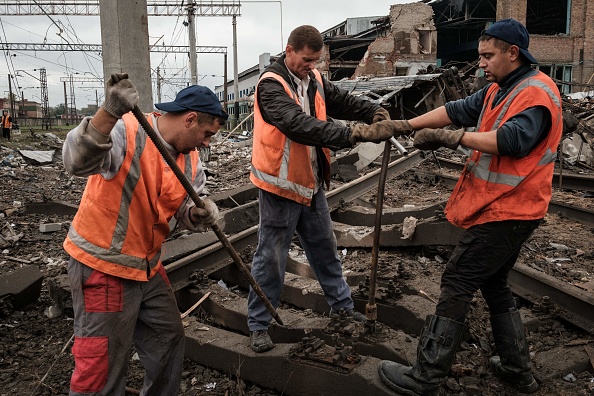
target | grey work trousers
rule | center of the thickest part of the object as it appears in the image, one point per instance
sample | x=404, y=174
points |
x=110, y=314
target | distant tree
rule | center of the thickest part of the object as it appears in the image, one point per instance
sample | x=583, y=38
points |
x=89, y=110
x=58, y=110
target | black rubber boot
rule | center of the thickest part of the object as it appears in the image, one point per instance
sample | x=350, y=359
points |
x=513, y=363
x=435, y=354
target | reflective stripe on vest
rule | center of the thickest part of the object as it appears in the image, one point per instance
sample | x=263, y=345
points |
x=481, y=170
x=282, y=184
x=498, y=187
x=128, y=262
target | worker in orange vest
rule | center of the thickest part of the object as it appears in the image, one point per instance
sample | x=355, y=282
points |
x=120, y=290
x=6, y=124
x=500, y=199
x=291, y=167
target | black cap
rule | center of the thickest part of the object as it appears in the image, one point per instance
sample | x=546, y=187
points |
x=197, y=98
x=513, y=32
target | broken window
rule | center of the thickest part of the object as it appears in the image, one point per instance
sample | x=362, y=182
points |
x=401, y=71
x=425, y=41
x=559, y=73
x=548, y=17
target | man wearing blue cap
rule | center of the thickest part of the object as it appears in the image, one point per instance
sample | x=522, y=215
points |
x=121, y=293
x=500, y=199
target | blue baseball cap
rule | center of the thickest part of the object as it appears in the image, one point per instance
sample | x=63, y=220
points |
x=197, y=98
x=513, y=32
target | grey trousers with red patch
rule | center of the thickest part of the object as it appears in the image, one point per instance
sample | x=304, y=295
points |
x=110, y=315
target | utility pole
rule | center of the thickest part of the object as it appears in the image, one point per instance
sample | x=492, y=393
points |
x=46, y=119
x=66, y=104
x=158, y=85
x=192, y=42
x=73, y=113
x=11, y=97
x=125, y=43
x=235, y=72
x=225, y=91
x=23, y=110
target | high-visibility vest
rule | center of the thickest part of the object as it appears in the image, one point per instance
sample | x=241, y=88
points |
x=122, y=222
x=498, y=187
x=280, y=165
x=6, y=122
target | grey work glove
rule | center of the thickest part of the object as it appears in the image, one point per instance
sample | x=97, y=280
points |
x=375, y=133
x=120, y=97
x=432, y=139
x=208, y=215
x=380, y=114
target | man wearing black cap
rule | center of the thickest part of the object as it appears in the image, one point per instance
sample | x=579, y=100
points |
x=121, y=293
x=500, y=199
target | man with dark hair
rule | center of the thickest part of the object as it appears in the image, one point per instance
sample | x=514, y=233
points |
x=290, y=165
x=500, y=199
x=6, y=124
x=120, y=290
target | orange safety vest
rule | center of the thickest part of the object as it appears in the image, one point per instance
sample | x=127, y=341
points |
x=498, y=187
x=6, y=122
x=121, y=223
x=279, y=165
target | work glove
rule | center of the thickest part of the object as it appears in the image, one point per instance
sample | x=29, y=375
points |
x=375, y=133
x=401, y=127
x=432, y=139
x=121, y=96
x=208, y=215
x=380, y=114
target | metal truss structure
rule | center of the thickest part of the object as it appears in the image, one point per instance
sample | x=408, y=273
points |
x=154, y=8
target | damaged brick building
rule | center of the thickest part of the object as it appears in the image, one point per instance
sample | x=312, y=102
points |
x=423, y=36
x=445, y=32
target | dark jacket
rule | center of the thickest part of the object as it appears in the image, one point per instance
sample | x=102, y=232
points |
x=280, y=110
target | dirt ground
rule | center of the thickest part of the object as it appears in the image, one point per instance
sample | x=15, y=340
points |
x=35, y=357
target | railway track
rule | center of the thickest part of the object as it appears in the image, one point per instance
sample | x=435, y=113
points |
x=314, y=349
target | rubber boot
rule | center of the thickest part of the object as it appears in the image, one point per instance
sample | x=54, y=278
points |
x=513, y=363
x=435, y=354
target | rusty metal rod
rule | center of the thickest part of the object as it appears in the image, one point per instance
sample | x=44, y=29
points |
x=194, y=196
x=371, y=307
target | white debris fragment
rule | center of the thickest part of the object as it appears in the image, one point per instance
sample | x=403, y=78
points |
x=408, y=227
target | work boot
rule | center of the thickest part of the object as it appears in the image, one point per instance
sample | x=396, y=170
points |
x=435, y=354
x=260, y=341
x=513, y=363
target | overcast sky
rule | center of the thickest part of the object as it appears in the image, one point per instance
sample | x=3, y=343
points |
x=258, y=31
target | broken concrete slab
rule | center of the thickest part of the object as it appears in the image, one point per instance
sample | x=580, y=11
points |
x=38, y=157
x=22, y=285
x=51, y=208
x=562, y=360
x=428, y=232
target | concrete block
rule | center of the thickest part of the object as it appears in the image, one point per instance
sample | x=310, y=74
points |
x=50, y=227
x=59, y=292
x=23, y=285
x=560, y=361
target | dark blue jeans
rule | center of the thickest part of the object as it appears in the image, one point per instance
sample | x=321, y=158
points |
x=482, y=260
x=280, y=218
